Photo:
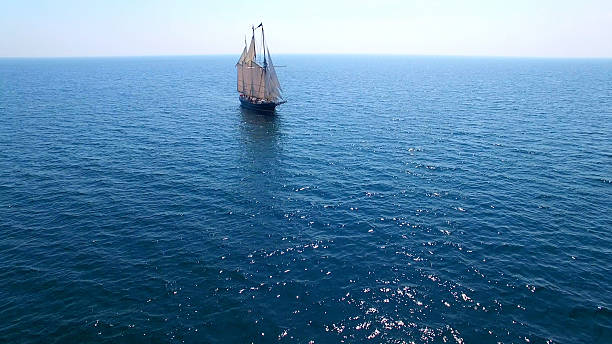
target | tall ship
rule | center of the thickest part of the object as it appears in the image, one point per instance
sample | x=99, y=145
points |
x=258, y=84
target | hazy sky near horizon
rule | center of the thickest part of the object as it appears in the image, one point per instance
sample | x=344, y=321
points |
x=543, y=28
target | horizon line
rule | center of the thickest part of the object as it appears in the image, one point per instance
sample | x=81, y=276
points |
x=314, y=54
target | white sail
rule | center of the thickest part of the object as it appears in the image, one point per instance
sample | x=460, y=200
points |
x=243, y=55
x=273, y=88
x=253, y=81
x=239, y=85
x=249, y=72
x=244, y=80
x=250, y=55
x=259, y=82
x=240, y=69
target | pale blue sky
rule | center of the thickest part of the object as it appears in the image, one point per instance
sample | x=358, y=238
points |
x=189, y=27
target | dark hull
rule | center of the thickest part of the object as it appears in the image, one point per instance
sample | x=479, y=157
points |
x=264, y=107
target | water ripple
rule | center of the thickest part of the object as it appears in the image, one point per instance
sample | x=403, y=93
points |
x=435, y=200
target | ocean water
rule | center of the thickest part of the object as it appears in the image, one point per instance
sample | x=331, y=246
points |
x=390, y=200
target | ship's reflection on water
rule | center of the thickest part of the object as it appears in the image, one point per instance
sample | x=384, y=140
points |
x=261, y=141
x=260, y=132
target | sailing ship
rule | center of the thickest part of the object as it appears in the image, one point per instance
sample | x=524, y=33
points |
x=258, y=84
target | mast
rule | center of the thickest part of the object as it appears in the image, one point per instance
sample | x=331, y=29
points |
x=264, y=70
x=254, y=56
x=242, y=66
x=263, y=44
x=253, y=37
x=258, y=74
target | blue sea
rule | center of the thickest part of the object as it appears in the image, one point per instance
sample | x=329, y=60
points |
x=392, y=199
